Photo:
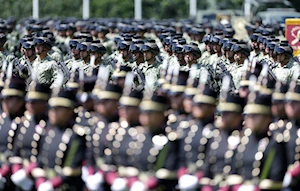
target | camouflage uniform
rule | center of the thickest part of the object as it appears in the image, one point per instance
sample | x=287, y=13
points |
x=285, y=73
x=73, y=63
x=152, y=73
x=237, y=72
x=171, y=62
x=204, y=59
x=46, y=71
x=56, y=54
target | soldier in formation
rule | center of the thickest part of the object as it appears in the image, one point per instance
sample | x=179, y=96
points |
x=118, y=105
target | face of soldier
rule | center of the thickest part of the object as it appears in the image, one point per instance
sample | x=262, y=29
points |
x=12, y=105
x=125, y=54
x=107, y=108
x=177, y=102
x=261, y=46
x=180, y=57
x=39, y=49
x=292, y=110
x=84, y=54
x=69, y=33
x=136, y=55
x=203, y=111
x=281, y=58
x=22, y=50
x=208, y=47
x=254, y=45
x=96, y=54
x=278, y=109
x=37, y=107
x=239, y=57
x=29, y=53
x=120, y=82
x=188, y=105
x=167, y=48
x=148, y=56
x=101, y=35
x=152, y=119
x=243, y=92
x=75, y=53
x=229, y=54
x=129, y=113
x=61, y=33
x=60, y=116
x=258, y=123
x=216, y=48
x=190, y=58
x=88, y=105
x=231, y=120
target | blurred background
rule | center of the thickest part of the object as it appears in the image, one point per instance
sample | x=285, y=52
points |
x=151, y=9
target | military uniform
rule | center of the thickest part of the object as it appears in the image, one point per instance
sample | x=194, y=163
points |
x=46, y=71
x=26, y=147
x=155, y=154
x=14, y=87
x=152, y=73
x=237, y=72
x=98, y=141
x=290, y=134
x=62, y=150
x=285, y=73
x=264, y=165
x=222, y=145
x=196, y=134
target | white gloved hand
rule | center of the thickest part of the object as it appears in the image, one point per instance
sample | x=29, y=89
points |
x=287, y=180
x=247, y=188
x=84, y=173
x=188, y=182
x=18, y=177
x=138, y=186
x=120, y=184
x=46, y=186
x=2, y=182
x=93, y=182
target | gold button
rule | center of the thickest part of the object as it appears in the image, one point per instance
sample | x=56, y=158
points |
x=258, y=155
x=255, y=172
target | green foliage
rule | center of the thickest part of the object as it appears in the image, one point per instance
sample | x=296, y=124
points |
x=152, y=9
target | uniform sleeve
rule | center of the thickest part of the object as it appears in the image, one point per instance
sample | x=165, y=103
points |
x=279, y=164
x=15, y=160
x=151, y=77
x=57, y=76
x=90, y=161
x=73, y=161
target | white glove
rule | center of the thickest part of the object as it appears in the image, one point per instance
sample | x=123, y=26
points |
x=120, y=184
x=85, y=173
x=138, y=186
x=247, y=188
x=18, y=177
x=2, y=182
x=21, y=180
x=93, y=182
x=46, y=186
x=188, y=182
x=287, y=180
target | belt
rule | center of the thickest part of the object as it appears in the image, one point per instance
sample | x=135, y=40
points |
x=3, y=158
x=234, y=179
x=268, y=184
x=51, y=172
x=105, y=167
x=128, y=171
x=165, y=174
